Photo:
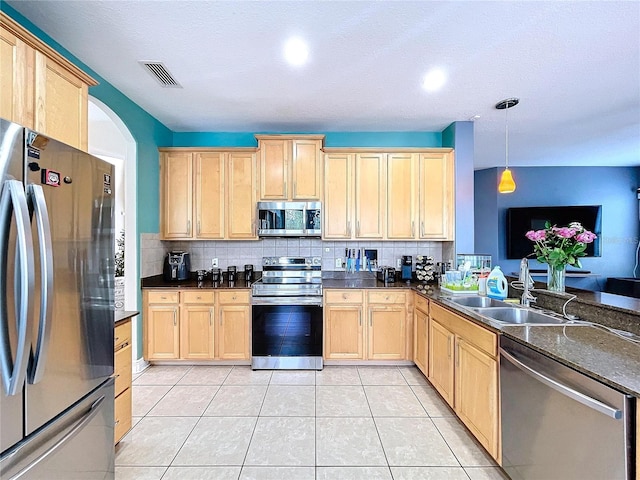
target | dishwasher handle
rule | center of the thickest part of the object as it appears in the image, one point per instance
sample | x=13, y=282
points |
x=563, y=389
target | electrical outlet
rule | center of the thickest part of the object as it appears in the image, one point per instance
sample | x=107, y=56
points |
x=338, y=263
x=214, y=262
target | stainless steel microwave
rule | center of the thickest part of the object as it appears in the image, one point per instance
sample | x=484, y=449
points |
x=289, y=219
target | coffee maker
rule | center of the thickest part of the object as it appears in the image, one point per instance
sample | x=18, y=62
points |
x=177, y=266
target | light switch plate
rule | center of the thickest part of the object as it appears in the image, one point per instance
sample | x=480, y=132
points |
x=214, y=262
x=338, y=263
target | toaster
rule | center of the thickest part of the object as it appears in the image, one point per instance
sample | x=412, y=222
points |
x=386, y=274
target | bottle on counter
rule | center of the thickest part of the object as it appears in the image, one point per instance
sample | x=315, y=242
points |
x=497, y=284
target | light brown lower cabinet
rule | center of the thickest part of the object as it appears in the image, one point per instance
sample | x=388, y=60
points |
x=366, y=324
x=463, y=367
x=196, y=324
x=122, y=366
x=421, y=333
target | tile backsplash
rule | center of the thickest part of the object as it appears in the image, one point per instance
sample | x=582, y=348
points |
x=240, y=253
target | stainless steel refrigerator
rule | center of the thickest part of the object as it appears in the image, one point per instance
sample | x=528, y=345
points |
x=56, y=310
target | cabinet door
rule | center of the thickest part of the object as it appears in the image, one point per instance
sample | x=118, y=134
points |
x=370, y=191
x=436, y=196
x=420, y=339
x=16, y=79
x=401, y=196
x=209, y=195
x=441, y=360
x=306, y=174
x=274, y=160
x=386, y=337
x=196, y=332
x=177, y=194
x=241, y=196
x=476, y=401
x=61, y=103
x=233, y=332
x=338, y=196
x=162, y=332
x=343, y=336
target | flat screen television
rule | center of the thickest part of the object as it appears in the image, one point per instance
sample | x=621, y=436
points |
x=522, y=219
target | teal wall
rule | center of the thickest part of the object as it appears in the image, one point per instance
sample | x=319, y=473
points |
x=332, y=139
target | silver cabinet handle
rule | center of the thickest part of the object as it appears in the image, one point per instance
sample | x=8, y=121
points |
x=211, y=317
x=448, y=346
x=457, y=354
x=79, y=425
x=349, y=228
x=358, y=228
x=36, y=195
x=13, y=199
x=413, y=228
x=563, y=389
x=198, y=227
x=175, y=318
x=286, y=192
x=295, y=188
x=189, y=227
x=360, y=318
x=422, y=229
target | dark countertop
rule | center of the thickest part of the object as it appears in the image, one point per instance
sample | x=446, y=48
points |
x=121, y=316
x=157, y=281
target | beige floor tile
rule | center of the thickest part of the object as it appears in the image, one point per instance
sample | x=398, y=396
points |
x=338, y=376
x=217, y=441
x=278, y=473
x=144, y=398
x=139, y=473
x=348, y=442
x=341, y=401
x=243, y=375
x=135, y=420
x=414, y=442
x=202, y=473
x=393, y=401
x=432, y=401
x=237, y=401
x=381, y=376
x=353, y=473
x=184, y=400
x=289, y=401
x=463, y=445
x=413, y=376
x=162, y=375
x=154, y=441
x=486, y=473
x=283, y=441
x=205, y=375
x=293, y=377
x=428, y=473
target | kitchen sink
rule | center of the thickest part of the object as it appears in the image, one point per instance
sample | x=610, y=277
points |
x=518, y=316
x=476, y=301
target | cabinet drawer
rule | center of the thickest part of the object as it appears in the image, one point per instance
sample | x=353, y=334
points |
x=474, y=334
x=237, y=296
x=163, y=297
x=387, y=296
x=343, y=296
x=122, y=368
x=122, y=335
x=198, y=297
x=122, y=417
x=421, y=303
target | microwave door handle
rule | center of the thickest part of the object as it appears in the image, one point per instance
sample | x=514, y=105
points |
x=41, y=214
x=13, y=199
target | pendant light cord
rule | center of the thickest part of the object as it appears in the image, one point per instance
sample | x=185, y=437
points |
x=506, y=136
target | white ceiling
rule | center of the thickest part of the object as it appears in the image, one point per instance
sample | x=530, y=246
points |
x=574, y=65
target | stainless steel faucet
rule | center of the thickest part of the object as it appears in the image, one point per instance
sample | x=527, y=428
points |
x=527, y=283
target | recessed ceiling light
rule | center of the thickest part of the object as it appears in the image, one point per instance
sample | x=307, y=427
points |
x=434, y=80
x=296, y=51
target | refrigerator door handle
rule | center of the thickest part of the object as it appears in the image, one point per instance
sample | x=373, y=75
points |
x=13, y=198
x=36, y=196
x=74, y=429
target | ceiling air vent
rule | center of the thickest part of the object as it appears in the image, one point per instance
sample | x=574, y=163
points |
x=161, y=74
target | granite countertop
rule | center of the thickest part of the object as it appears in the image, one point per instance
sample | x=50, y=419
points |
x=122, y=315
x=157, y=281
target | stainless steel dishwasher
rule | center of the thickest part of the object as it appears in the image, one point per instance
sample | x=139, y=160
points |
x=558, y=424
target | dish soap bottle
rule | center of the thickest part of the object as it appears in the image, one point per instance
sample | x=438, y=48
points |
x=497, y=284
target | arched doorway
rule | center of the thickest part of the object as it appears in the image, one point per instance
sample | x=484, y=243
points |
x=111, y=140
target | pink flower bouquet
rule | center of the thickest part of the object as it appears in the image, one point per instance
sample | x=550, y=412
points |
x=561, y=246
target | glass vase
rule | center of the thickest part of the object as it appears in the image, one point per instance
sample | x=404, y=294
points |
x=555, y=277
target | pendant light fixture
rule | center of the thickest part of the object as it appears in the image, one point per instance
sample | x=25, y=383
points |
x=507, y=184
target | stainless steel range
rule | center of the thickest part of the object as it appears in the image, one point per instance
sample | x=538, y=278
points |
x=287, y=314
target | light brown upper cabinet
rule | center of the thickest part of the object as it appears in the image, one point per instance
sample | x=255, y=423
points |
x=207, y=194
x=436, y=196
x=388, y=195
x=40, y=89
x=290, y=167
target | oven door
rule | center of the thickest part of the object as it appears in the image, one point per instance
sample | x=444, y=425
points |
x=287, y=333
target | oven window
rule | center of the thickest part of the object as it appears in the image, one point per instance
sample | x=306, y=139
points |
x=287, y=330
